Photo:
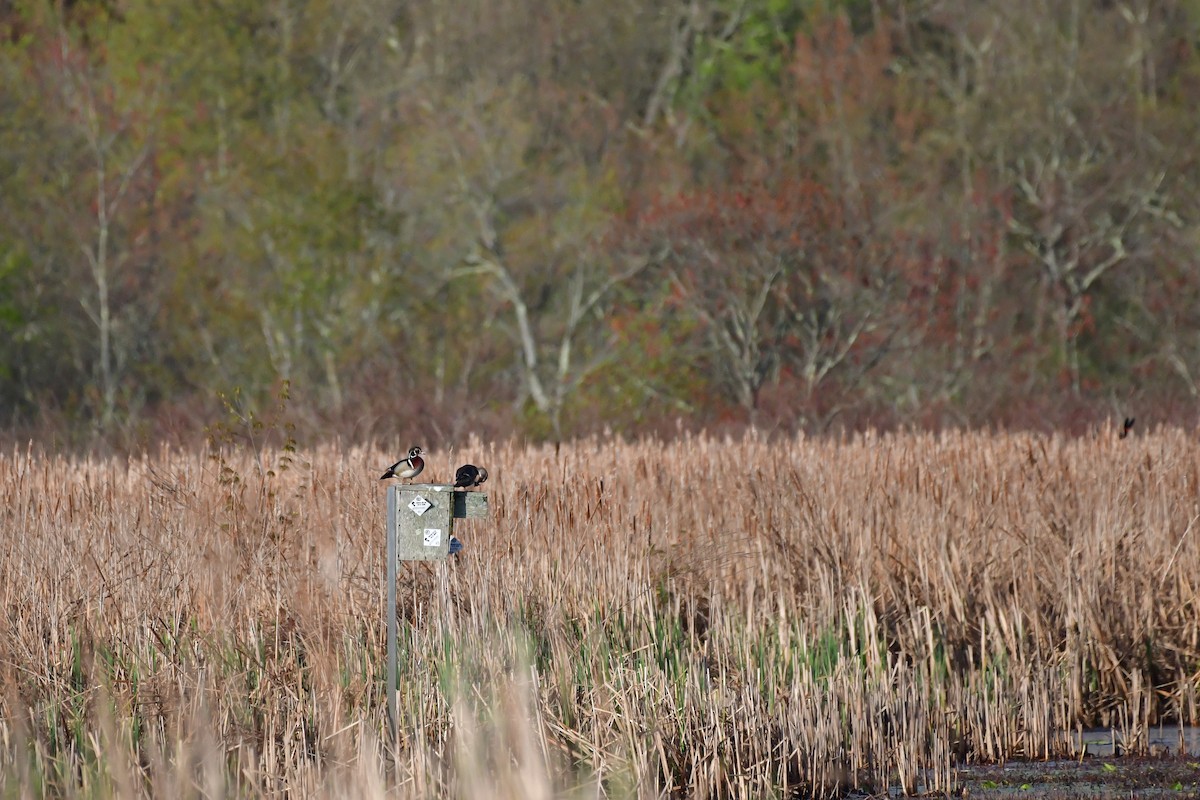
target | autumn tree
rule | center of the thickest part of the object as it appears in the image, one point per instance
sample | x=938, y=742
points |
x=435, y=217
x=518, y=153
x=779, y=283
x=85, y=224
x=1033, y=102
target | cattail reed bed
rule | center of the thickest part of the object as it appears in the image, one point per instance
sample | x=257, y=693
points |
x=704, y=618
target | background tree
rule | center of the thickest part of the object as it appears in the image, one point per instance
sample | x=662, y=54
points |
x=438, y=217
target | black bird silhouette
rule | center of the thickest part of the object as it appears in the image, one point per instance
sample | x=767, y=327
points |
x=415, y=465
x=1126, y=428
x=469, y=475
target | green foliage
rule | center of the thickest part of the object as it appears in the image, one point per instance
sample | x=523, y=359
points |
x=653, y=373
x=14, y=317
x=747, y=48
x=199, y=196
x=757, y=50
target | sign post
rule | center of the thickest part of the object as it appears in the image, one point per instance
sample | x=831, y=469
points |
x=420, y=521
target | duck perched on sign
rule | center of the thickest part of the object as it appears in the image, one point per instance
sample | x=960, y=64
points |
x=415, y=465
x=468, y=476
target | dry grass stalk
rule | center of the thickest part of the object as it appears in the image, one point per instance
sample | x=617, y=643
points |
x=703, y=618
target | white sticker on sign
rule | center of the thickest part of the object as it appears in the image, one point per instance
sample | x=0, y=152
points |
x=433, y=537
x=420, y=505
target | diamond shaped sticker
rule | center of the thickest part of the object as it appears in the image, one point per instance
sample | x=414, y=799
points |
x=420, y=505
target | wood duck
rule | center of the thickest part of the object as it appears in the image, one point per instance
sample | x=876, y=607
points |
x=469, y=475
x=415, y=465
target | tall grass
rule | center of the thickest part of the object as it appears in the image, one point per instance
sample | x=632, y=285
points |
x=706, y=618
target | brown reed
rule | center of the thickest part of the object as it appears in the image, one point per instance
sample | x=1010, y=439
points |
x=702, y=618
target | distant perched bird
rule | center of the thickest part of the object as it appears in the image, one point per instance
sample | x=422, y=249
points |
x=469, y=475
x=415, y=465
x=1126, y=428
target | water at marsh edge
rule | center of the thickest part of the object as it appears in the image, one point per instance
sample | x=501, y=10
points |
x=1163, y=739
x=1102, y=772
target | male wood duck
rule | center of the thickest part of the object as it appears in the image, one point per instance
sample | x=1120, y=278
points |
x=415, y=465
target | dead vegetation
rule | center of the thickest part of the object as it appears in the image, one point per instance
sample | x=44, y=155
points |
x=703, y=618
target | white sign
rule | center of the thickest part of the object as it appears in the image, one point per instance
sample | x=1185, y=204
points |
x=433, y=537
x=420, y=505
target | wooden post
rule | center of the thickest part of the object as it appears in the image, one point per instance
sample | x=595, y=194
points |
x=420, y=521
